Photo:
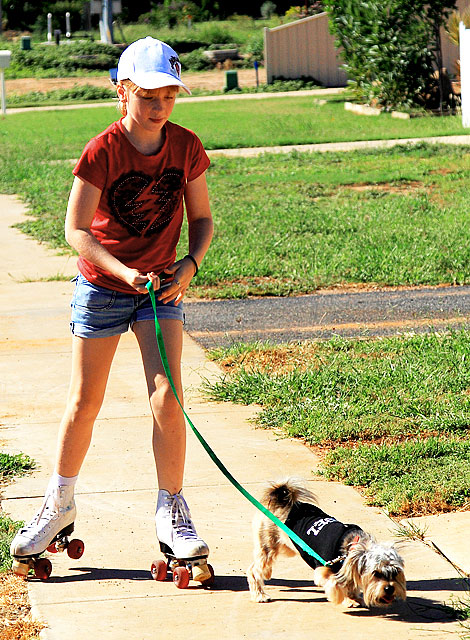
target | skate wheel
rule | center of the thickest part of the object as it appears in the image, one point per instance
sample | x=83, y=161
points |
x=20, y=568
x=203, y=573
x=52, y=548
x=181, y=577
x=75, y=549
x=209, y=581
x=42, y=568
x=159, y=570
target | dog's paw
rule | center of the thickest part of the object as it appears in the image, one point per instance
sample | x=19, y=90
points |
x=349, y=603
x=260, y=597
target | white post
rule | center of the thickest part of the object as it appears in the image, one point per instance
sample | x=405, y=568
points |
x=67, y=25
x=5, y=57
x=106, y=27
x=4, y=96
x=267, y=54
x=464, y=37
x=49, y=27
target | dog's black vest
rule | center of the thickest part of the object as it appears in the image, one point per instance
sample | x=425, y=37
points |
x=323, y=533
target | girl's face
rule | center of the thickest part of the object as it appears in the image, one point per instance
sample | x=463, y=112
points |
x=148, y=109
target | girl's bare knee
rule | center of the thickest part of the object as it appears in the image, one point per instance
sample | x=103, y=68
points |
x=83, y=407
x=164, y=403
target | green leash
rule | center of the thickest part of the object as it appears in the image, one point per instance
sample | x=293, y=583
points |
x=161, y=348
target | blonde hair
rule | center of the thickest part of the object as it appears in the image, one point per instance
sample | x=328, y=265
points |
x=138, y=91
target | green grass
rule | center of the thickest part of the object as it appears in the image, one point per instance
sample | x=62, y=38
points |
x=239, y=30
x=8, y=528
x=14, y=465
x=298, y=120
x=391, y=217
x=409, y=226
x=73, y=95
x=11, y=466
x=393, y=413
x=426, y=476
x=83, y=94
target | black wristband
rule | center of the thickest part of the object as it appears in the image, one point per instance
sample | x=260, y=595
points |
x=193, y=260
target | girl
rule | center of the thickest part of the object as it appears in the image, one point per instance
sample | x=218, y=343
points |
x=124, y=218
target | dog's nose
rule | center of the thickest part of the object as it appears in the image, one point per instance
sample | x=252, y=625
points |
x=389, y=589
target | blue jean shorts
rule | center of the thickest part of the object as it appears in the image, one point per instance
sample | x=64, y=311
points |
x=99, y=313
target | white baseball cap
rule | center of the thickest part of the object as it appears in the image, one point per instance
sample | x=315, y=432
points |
x=150, y=64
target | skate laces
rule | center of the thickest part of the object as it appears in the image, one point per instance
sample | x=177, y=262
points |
x=50, y=509
x=181, y=517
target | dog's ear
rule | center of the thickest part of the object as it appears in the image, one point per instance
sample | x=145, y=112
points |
x=281, y=496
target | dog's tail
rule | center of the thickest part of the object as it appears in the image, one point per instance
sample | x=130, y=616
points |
x=285, y=493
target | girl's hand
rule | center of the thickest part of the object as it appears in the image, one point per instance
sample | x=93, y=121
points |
x=138, y=280
x=182, y=273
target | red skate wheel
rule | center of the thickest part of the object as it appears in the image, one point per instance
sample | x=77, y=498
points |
x=75, y=549
x=159, y=570
x=181, y=577
x=42, y=568
x=52, y=548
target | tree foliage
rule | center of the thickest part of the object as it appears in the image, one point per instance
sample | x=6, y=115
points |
x=391, y=48
x=18, y=14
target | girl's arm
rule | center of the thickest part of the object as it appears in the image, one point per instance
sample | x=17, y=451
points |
x=83, y=202
x=201, y=228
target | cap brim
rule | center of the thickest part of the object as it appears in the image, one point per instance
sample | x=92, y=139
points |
x=156, y=80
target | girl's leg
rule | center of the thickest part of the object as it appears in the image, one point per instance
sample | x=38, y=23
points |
x=175, y=529
x=91, y=362
x=169, y=431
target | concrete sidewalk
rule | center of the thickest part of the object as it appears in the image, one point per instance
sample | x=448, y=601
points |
x=109, y=593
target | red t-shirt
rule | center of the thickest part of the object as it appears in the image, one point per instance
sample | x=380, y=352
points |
x=140, y=212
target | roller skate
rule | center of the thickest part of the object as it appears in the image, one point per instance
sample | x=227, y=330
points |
x=185, y=552
x=48, y=530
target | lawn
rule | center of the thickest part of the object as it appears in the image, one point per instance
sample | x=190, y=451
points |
x=390, y=217
x=289, y=224
x=389, y=415
x=298, y=120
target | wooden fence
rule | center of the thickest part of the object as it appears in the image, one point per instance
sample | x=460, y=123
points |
x=303, y=48
x=307, y=48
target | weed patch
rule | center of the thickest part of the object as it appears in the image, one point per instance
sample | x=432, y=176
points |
x=10, y=467
x=14, y=465
x=16, y=622
x=411, y=478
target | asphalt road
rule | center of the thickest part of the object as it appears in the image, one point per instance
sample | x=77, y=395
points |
x=323, y=315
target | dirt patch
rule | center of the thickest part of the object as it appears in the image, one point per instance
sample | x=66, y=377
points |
x=386, y=187
x=209, y=81
x=280, y=359
x=15, y=611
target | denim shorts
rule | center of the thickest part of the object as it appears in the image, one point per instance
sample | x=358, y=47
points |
x=99, y=313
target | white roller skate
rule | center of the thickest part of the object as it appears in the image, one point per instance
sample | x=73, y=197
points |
x=48, y=530
x=185, y=551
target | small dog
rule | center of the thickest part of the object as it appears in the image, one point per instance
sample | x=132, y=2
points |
x=357, y=563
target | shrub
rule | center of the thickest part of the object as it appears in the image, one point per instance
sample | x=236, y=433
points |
x=170, y=14
x=213, y=33
x=267, y=9
x=66, y=59
x=391, y=48
x=255, y=47
x=76, y=93
x=195, y=61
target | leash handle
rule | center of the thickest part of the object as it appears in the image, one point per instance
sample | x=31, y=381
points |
x=161, y=348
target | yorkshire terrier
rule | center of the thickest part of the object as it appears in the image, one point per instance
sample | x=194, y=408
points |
x=356, y=563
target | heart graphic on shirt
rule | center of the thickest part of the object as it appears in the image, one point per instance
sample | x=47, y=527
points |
x=146, y=205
